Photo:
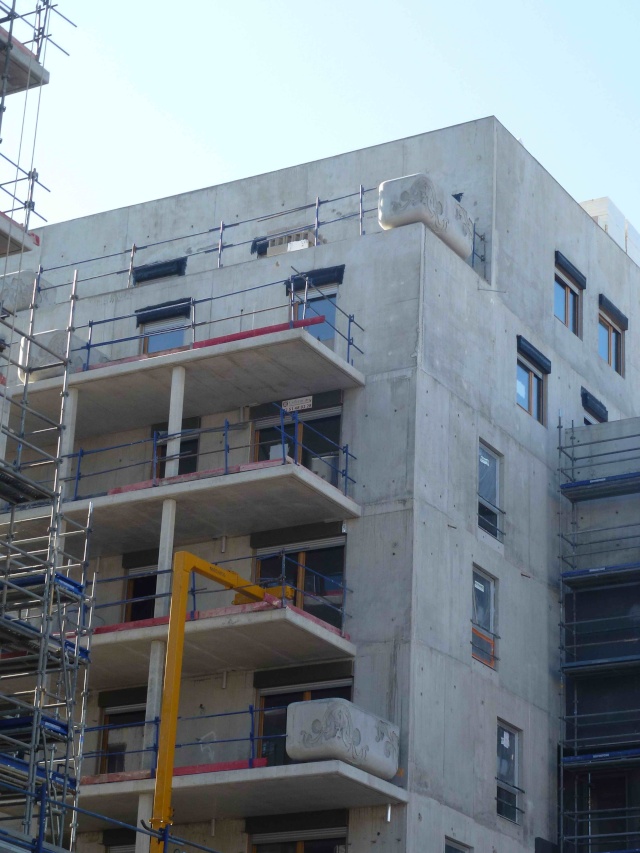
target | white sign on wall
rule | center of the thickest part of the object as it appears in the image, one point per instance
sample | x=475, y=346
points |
x=297, y=404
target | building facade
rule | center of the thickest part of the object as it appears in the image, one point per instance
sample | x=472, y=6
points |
x=365, y=424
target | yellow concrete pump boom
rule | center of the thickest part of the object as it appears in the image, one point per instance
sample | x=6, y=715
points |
x=183, y=564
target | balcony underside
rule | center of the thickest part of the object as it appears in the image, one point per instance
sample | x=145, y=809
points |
x=246, y=637
x=135, y=393
x=264, y=498
x=25, y=72
x=317, y=786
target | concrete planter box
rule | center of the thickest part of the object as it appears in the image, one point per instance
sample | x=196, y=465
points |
x=415, y=198
x=334, y=728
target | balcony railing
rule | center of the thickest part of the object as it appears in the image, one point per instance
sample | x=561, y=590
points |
x=323, y=596
x=93, y=468
x=320, y=729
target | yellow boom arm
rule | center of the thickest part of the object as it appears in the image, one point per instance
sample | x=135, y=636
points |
x=183, y=564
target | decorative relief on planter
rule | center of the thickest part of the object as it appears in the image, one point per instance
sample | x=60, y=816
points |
x=415, y=198
x=334, y=728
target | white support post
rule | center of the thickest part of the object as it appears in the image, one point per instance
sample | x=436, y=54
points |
x=67, y=441
x=175, y=421
x=145, y=808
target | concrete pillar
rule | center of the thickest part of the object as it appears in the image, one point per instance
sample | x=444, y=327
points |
x=67, y=441
x=158, y=647
x=175, y=420
x=145, y=807
x=165, y=558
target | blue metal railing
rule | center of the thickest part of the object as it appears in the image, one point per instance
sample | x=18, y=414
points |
x=326, y=594
x=293, y=311
x=247, y=744
x=227, y=460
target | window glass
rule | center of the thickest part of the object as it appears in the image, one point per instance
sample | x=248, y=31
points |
x=164, y=335
x=488, y=477
x=616, y=348
x=529, y=391
x=323, y=307
x=507, y=773
x=559, y=302
x=482, y=631
x=522, y=387
x=603, y=340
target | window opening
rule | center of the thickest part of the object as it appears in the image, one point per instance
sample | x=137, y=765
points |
x=188, y=453
x=273, y=714
x=483, y=637
x=507, y=773
x=121, y=745
x=316, y=571
x=529, y=391
x=610, y=343
x=163, y=335
x=566, y=303
x=612, y=324
x=160, y=269
x=315, y=444
x=140, y=594
x=568, y=286
x=455, y=847
x=489, y=491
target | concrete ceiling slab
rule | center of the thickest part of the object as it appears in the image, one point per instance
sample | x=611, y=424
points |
x=249, y=637
x=251, y=792
x=232, y=505
x=134, y=394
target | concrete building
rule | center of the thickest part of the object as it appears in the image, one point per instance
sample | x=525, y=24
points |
x=262, y=375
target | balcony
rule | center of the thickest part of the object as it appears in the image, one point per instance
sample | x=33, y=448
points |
x=281, y=361
x=243, y=637
x=234, y=764
x=25, y=72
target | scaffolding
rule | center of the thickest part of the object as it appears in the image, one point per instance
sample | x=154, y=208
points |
x=600, y=600
x=45, y=608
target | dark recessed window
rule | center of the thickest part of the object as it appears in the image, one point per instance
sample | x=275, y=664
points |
x=162, y=269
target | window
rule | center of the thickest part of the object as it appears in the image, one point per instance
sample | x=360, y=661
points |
x=277, y=689
x=612, y=324
x=488, y=491
x=315, y=293
x=315, y=570
x=320, y=307
x=568, y=286
x=314, y=443
x=122, y=744
x=455, y=847
x=164, y=326
x=306, y=832
x=483, y=637
x=595, y=411
x=507, y=773
x=140, y=594
x=529, y=390
x=188, y=454
x=531, y=369
x=161, y=269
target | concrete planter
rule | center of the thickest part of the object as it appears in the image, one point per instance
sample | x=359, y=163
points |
x=415, y=198
x=334, y=728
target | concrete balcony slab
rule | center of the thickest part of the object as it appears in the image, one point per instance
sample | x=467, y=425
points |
x=265, y=497
x=25, y=72
x=245, y=793
x=244, y=637
x=134, y=393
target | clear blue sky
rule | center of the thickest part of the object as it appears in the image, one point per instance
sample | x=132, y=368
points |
x=159, y=98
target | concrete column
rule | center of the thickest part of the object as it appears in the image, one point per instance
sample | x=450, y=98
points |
x=67, y=440
x=158, y=647
x=175, y=420
x=165, y=557
x=145, y=807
